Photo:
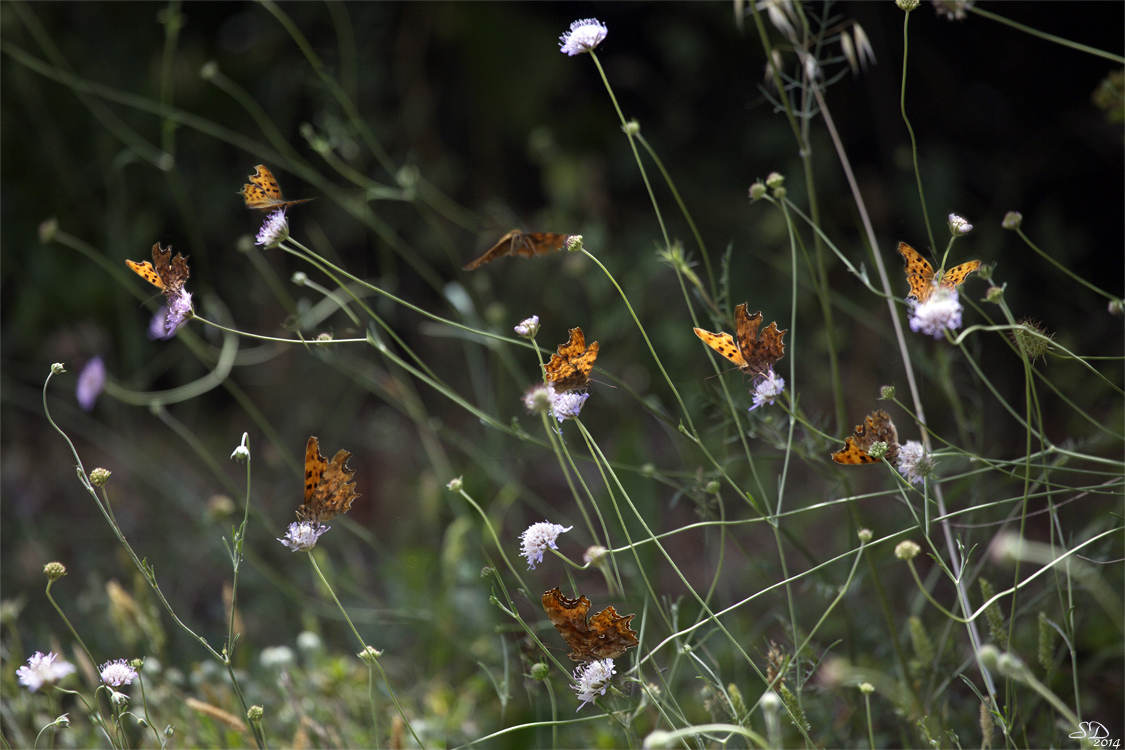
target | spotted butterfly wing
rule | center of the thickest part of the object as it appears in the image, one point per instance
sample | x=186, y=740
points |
x=166, y=273
x=877, y=428
x=329, y=486
x=920, y=274
x=516, y=242
x=606, y=635
x=753, y=353
x=571, y=366
x=263, y=192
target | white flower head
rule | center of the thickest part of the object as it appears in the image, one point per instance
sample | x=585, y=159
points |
x=914, y=463
x=537, y=538
x=583, y=36
x=276, y=657
x=941, y=312
x=179, y=310
x=568, y=405
x=528, y=327
x=118, y=673
x=592, y=680
x=539, y=398
x=767, y=389
x=43, y=669
x=274, y=229
x=958, y=225
x=303, y=535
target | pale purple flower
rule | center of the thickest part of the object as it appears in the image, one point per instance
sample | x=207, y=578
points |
x=592, y=680
x=274, y=229
x=767, y=389
x=118, y=673
x=179, y=310
x=156, y=330
x=43, y=669
x=941, y=312
x=538, y=398
x=583, y=36
x=568, y=405
x=914, y=463
x=959, y=226
x=528, y=327
x=537, y=538
x=303, y=535
x=91, y=381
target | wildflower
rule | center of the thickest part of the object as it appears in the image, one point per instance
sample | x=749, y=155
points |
x=1012, y=220
x=775, y=179
x=914, y=463
x=119, y=699
x=952, y=10
x=767, y=389
x=43, y=669
x=309, y=642
x=99, y=477
x=1032, y=339
x=907, y=550
x=274, y=229
x=886, y=392
x=592, y=680
x=54, y=570
x=907, y=5
x=242, y=452
x=58, y=368
x=276, y=657
x=994, y=294
x=537, y=538
x=156, y=331
x=117, y=673
x=958, y=225
x=595, y=555
x=940, y=312
x=574, y=241
x=865, y=535
x=370, y=654
x=303, y=535
x=866, y=688
x=567, y=405
x=528, y=327
x=455, y=484
x=757, y=191
x=91, y=381
x=583, y=36
x=179, y=310
x=1116, y=307
x=539, y=671
x=255, y=713
x=539, y=398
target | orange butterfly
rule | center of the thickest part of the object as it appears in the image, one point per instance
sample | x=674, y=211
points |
x=606, y=635
x=877, y=428
x=263, y=193
x=920, y=274
x=329, y=487
x=516, y=242
x=753, y=354
x=570, y=368
x=168, y=274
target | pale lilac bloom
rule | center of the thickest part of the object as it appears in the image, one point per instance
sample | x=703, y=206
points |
x=592, y=680
x=568, y=405
x=537, y=538
x=939, y=313
x=914, y=463
x=179, y=310
x=91, y=381
x=767, y=389
x=583, y=36
x=958, y=225
x=118, y=673
x=43, y=669
x=539, y=398
x=156, y=329
x=274, y=229
x=303, y=535
x=528, y=327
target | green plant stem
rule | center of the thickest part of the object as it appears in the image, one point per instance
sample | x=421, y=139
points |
x=1044, y=35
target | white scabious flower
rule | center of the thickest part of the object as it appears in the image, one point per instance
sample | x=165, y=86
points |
x=592, y=680
x=767, y=389
x=303, y=535
x=914, y=463
x=539, y=398
x=583, y=36
x=274, y=229
x=117, y=673
x=537, y=538
x=941, y=312
x=958, y=225
x=43, y=669
x=528, y=327
x=567, y=405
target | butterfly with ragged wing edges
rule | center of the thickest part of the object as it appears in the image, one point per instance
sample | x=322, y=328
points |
x=516, y=242
x=877, y=428
x=606, y=635
x=754, y=353
x=263, y=192
x=920, y=274
x=329, y=485
x=571, y=366
x=166, y=273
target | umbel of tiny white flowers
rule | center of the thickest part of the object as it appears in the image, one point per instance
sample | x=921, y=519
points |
x=274, y=229
x=43, y=669
x=567, y=405
x=767, y=389
x=537, y=538
x=118, y=673
x=941, y=312
x=592, y=680
x=303, y=535
x=583, y=36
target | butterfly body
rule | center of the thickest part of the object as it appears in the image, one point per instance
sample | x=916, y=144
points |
x=606, y=635
x=571, y=366
x=166, y=273
x=516, y=242
x=877, y=428
x=920, y=274
x=754, y=353
x=329, y=486
x=263, y=192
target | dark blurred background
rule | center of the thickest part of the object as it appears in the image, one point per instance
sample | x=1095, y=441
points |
x=478, y=101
